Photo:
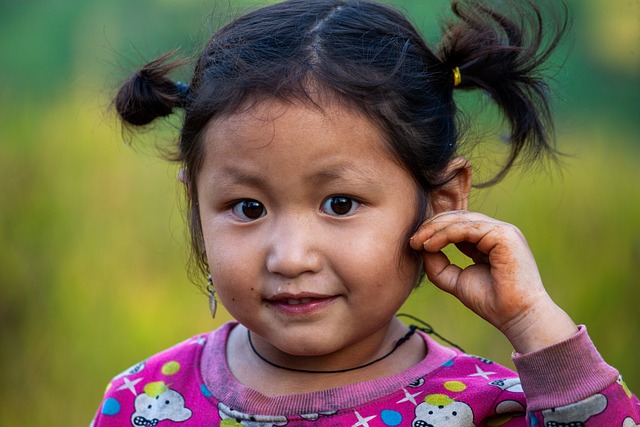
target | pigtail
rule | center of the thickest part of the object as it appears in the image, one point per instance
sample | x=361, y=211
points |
x=505, y=56
x=150, y=94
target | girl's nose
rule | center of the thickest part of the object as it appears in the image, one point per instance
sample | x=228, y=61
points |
x=293, y=248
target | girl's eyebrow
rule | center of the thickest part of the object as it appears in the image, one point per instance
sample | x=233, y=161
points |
x=329, y=174
x=342, y=171
x=232, y=175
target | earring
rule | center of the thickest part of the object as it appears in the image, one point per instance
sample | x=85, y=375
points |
x=213, y=304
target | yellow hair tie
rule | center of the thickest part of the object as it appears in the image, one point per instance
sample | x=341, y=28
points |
x=457, y=77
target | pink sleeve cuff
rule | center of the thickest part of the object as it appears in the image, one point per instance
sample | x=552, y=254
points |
x=563, y=373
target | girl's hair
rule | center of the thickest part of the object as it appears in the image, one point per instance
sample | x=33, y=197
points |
x=369, y=57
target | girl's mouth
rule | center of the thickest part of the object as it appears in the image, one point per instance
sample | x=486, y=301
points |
x=292, y=301
x=301, y=305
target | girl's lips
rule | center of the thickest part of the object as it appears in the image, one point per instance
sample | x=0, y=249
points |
x=300, y=305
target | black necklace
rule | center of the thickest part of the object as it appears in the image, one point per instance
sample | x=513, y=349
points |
x=401, y=341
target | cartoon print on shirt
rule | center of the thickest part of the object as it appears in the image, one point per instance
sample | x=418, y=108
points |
x=575, y=414
x=246, y=420
x=481, y=359
x=628, y=422
x=439, y=410
x=417, y=383
x=510, y=407
x=159, y=403
x=315, y=416
x=508, y=384
x=135, y=369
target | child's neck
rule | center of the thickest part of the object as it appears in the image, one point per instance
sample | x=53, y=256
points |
x=269, y=380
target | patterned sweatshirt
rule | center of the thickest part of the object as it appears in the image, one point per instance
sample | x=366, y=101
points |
x=567, y=384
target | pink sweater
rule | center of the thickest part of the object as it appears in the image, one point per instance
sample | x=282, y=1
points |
x=567, y=384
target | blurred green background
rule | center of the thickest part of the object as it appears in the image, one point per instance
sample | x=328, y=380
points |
x=92, y=247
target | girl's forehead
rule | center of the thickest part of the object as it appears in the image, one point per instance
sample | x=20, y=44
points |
x=296, y=150
x=250, y=113
x=258, y=118
x=276, y=136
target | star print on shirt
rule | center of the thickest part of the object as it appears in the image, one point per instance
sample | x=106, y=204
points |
x=130, y=385
x=362, y=422
x=481, y=373
x=408, y=397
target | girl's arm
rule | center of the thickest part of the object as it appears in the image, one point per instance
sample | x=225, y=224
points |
x=563, y=375
x=503, y=285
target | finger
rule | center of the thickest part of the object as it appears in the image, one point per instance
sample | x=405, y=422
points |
x=457, y=216
x=441, y=272
x=470, y=250
x=441, y=219
x=484, y=236
x=431, y=225
x=467, y=232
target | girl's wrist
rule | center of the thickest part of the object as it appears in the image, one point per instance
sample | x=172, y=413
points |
x=543, y=327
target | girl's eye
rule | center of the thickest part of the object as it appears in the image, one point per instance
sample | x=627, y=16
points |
x=249, y=210
x=340, y=205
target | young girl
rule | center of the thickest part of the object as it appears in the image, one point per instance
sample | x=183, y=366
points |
x=319, y=156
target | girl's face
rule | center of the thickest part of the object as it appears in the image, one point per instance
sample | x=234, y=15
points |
x=305, y=216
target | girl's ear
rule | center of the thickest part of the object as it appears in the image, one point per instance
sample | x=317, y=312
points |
x=454, y=195
x=182, y=177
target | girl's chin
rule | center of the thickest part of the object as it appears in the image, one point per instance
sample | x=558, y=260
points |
x=312, y=347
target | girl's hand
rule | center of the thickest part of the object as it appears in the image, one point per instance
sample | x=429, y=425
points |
x=503, y=286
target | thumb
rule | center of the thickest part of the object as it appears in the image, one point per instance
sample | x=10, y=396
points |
x=440, y=271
